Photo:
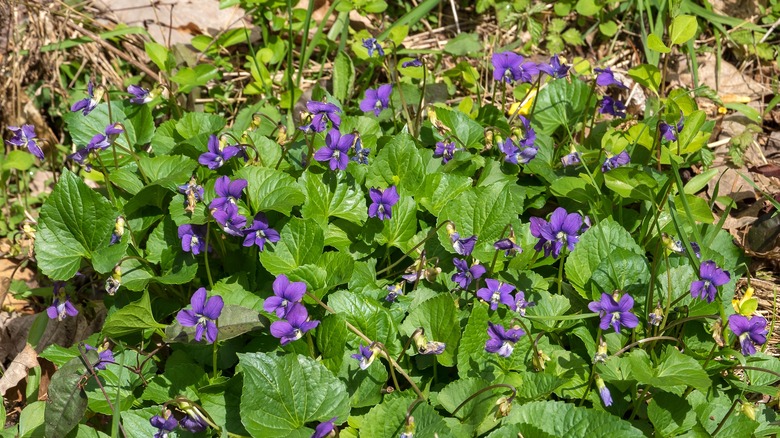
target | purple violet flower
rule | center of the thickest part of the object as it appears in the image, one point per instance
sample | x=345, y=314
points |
x=377, y=100
x=497, y=292
x=87, y=104
x=465, y=274
x=444, y=150
x=562, y=230
x=104, y=357
x=365, y=356
x=336, y=149
x=61, y=305
x=751, y=332
x=202, y=316
x=216, y=156
x=613, y=107
x=571, y=159
x=501, y=340
x=604, y=393
x=286, y=293
x=25, y=136
x=230, y=220
x=164, y=424
x=382, y=202
x=260, y=232
x=510, y=67
x=193, y=238
x=678, y=247
x=113, y=131
x=516, y=155
x=193, y=424
x=606, y=78
x=193, y=193
x=712, y=277
x=228, y=192
x=393, y=291
x=525, y=151
x=321, y=111
x=616, y=161
x=413, y=63
x=520, y=304
x=99, y=142
x=361, y=153
x=140, y=95
x=555, y=69
x=325, y=429
x=669, y=132
x=372, y=44
x=463, y=246
x=508, y=245
x=615, y=313
x=296, y=324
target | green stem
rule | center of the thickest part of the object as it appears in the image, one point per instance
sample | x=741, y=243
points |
x=488, y=388
x=310, y=341
x=560, y=276
x=725, y=417
x=587, y=104
x=109, y=187
x=642, y=341
x=639, y=400
x=140, y=259
x=214, y=353
x=392, y=371
x=406, y=254
x=111, y=122
x=206, y=255
x=418, y=116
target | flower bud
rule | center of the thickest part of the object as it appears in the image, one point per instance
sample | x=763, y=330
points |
x=408, y=428
x=657, y=316
x=281, y=134
x=431, y=273
x=504, y=407
x=114, y=281
x=393, y=291
x=717, y=333
x=488, y=139
x=749, y=410
x=606, y=396
x=119, y=226
x=28, y=230
x=540, y=360
x=601, y=352
x=450, y=227
x=99, y=92
x=256, y=121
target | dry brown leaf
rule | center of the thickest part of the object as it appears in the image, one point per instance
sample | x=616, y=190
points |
x=17, y=371
x=727, y=81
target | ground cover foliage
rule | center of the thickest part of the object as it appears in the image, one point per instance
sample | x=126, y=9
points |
x=377, y=261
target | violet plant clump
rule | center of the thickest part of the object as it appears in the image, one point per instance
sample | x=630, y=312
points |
x=281, y=294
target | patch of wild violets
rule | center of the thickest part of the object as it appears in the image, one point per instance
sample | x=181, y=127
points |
x=385, y=261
